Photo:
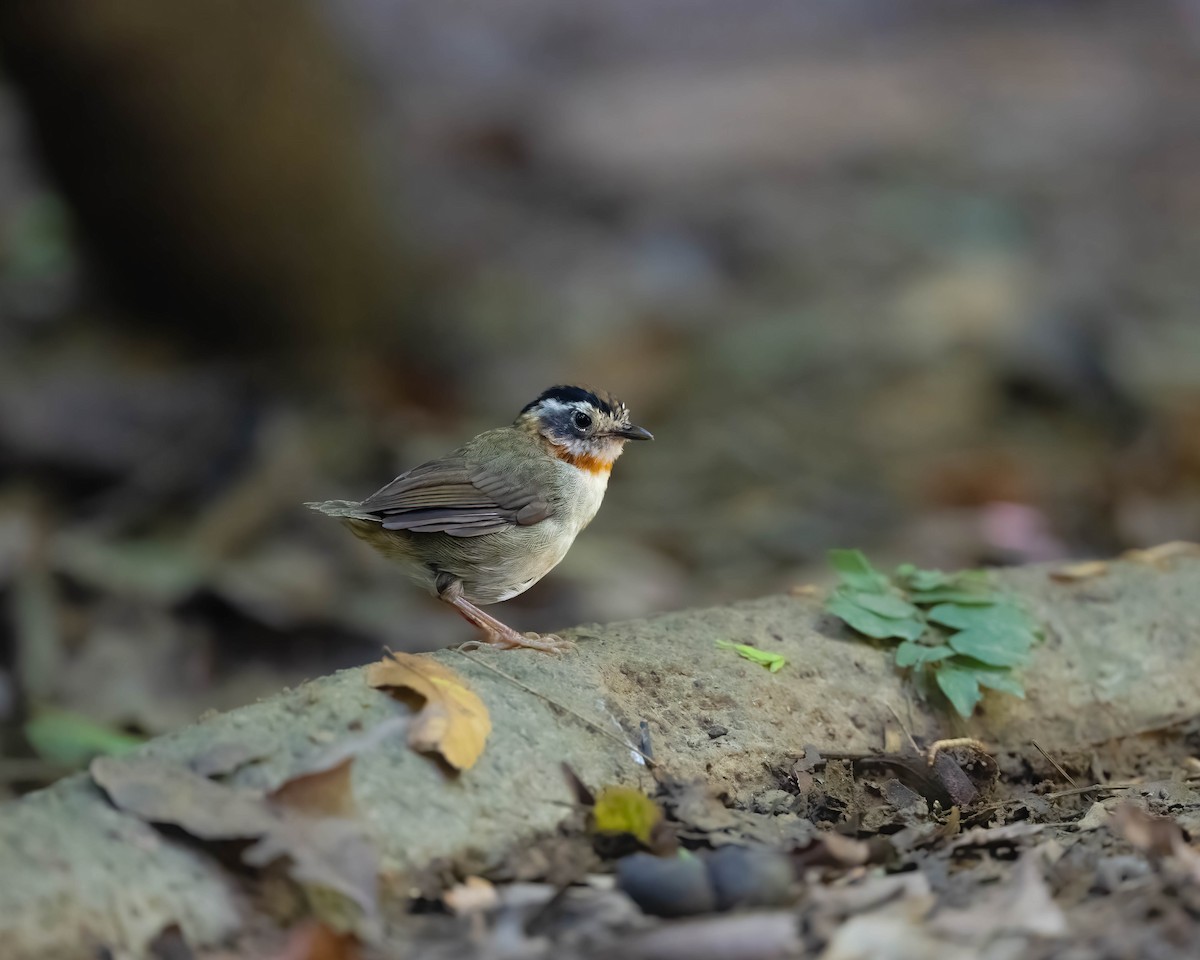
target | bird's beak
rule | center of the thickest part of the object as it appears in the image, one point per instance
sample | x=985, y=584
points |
x=634, y=433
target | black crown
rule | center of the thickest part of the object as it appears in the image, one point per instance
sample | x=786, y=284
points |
x=568, y=394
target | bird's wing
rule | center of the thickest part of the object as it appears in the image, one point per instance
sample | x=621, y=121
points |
x=457, y=497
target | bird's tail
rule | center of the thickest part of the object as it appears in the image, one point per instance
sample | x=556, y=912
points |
x=349, y=509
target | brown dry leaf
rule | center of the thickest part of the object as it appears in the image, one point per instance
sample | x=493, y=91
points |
x=1162, y=555
x=1079, y=571
x=315, y=941
x=1159, y=836
x=319, y=793
x=322, y=851
x=323, y=787
x=453, y=722
x=1148, y=833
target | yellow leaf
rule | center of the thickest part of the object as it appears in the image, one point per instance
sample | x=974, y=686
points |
x=626, y=810
x=453, y=721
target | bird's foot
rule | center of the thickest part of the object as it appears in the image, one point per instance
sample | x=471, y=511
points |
x=547, y=643
x=497, y=633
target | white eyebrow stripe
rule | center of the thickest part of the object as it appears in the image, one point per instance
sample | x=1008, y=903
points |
x=551, y=405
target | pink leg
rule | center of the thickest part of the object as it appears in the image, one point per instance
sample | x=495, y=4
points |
x=497, y=633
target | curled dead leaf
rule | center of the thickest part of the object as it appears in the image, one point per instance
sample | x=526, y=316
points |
x=452, y=722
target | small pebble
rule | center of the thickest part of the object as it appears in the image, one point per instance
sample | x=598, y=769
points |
x=666, y=886
x=749, y=877
x=716, y=730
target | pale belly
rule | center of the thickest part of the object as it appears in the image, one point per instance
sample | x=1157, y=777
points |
x=499, y=566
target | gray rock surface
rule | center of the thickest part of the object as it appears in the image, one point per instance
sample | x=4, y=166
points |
x=1121, y=654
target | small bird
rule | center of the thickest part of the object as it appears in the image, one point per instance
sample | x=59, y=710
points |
x=489, y=520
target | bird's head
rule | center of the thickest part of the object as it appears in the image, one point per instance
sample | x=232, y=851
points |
x=587, y=428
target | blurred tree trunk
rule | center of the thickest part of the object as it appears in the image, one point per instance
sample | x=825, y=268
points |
x=214, y=155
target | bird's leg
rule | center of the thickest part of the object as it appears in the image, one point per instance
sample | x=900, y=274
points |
x=499, y=634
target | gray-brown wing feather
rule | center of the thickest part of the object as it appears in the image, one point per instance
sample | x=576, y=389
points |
x=452, y=496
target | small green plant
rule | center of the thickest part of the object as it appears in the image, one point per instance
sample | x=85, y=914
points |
x=772, y=661
x=954, y=629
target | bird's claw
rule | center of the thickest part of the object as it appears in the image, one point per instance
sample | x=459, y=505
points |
x=547, y=643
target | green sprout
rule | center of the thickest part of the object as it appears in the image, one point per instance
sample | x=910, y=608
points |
x=772, y=661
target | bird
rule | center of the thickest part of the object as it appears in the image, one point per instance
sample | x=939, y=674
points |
x=490, y=519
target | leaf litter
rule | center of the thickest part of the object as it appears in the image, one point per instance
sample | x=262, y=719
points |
x=878, y=856
x=308, y=822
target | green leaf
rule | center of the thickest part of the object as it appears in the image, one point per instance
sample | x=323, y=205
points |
x=909, y=654
x=998, y=648
x=995, y=616
x=885, y=604
x=953, y=595
x=856, y=571
x=843, y=605
x=961, y=687
x=917, y=579
x=772, y=661
x=999, y=679
x=72, y=739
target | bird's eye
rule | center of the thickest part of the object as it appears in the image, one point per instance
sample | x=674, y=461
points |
x=581, y=420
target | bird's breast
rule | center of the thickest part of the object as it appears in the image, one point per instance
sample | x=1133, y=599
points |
x=587, y=489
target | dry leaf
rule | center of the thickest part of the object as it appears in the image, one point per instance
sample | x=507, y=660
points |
x=315, y=941
x=321, y=851
x=1079, y=571
x=323, y=787
x=321, y=793
x=453, y=722
x=1159, y=836
x=1148, y=833
x=1023, y=906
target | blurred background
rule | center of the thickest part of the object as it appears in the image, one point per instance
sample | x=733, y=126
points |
x=916, y=277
